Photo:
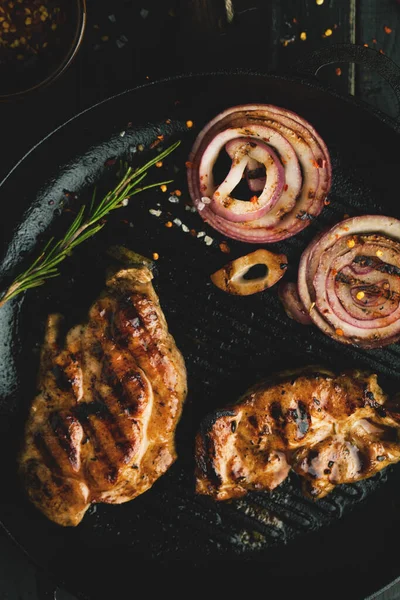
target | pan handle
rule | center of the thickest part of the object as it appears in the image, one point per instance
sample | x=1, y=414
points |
x=352, y=53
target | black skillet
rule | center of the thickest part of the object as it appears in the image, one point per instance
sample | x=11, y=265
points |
x=278, y=544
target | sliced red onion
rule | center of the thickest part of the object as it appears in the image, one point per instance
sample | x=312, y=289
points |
x=223, y=203
x=255, y=183
x=302, y=154
x=288, y=295
x=349, y=281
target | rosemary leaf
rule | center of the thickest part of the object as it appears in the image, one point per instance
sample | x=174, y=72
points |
x=86, y=224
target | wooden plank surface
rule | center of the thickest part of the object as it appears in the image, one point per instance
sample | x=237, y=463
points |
x=378, y=25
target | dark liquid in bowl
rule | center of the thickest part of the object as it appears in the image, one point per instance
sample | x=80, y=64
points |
x=37, y=38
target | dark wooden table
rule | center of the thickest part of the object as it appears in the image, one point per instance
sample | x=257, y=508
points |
x=130, y=41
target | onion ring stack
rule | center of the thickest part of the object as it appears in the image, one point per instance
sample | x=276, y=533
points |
x=349, y=281
x=282, y=158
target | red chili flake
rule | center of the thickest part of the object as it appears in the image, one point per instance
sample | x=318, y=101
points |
x=387, y=29
x=125, y=221
x=338, y=71
x=294, y=20
x=160, y=137
x=168, y=224
x=285, y=187
x=339, y=332
x=327, y=202
x=335, y=26
x=253, y=199
x=315, y=164
x=188, y=164
x=168, y=121
x=154, y=144
x=110, y=162
x=374, y=41
x=224, y=247
x=366, y=46
x=381, y=51
x=193, y=232
x=346, y=216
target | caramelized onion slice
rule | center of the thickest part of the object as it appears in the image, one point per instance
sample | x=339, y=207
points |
x=231, y=278
x=284, y=210
x=289, y=296
x=350, y=277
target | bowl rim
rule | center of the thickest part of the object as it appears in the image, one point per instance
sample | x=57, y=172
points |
x=65, y=63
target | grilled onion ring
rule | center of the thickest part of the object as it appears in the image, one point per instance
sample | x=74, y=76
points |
x=232, y=277
x=290, y=197
x=349, y=281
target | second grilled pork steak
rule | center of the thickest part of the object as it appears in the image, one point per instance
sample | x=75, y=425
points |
x=101, y=428
x=330, y=429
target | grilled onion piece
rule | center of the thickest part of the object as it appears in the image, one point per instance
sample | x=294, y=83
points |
x=231, y=278
x=279, y=154
x=294, y=309
x=349, y=281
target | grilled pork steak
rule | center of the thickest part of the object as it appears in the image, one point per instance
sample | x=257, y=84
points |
x=101, y=428
x=330, y=429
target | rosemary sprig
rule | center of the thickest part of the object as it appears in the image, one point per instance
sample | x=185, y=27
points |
x=86, y=224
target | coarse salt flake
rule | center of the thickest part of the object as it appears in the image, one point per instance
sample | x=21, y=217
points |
x=200, y=205
x=201, y=234
x=206, y=200
x=155, y=212
x=185, y=228
x=125, y=202
x=173, y=199
x=178, y=222
x=208, y=240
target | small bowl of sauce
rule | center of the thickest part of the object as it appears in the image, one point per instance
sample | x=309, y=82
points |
x=38, y=40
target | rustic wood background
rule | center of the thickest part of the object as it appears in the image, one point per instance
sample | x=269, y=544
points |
x=130, y=41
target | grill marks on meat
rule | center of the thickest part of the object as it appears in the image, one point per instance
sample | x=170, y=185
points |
x=101, y=428
x=330, y=429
